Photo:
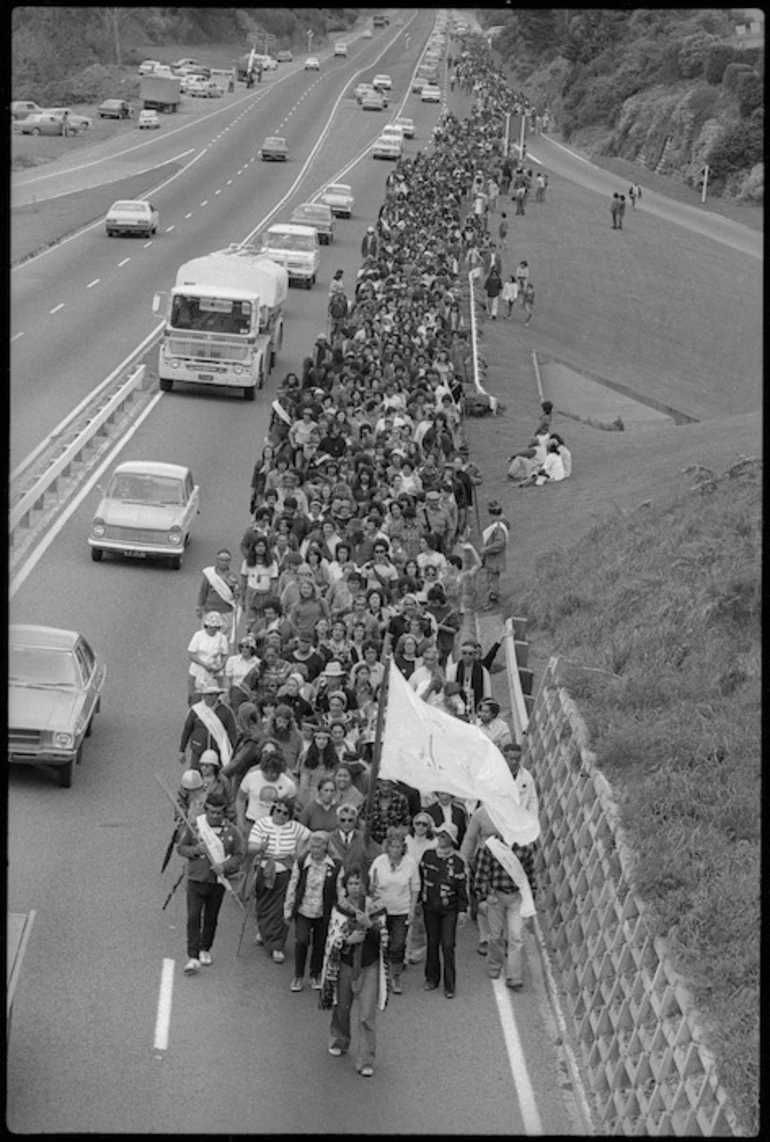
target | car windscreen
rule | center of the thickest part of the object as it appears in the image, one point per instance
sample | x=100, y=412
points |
x=211, y=314
x=128, y=208
x=41, y=666
x=136, y=488
x=280, y=240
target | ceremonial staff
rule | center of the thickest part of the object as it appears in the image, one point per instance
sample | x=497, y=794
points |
x=381, y=707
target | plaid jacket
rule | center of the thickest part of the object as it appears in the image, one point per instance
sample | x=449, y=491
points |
x=490, y=876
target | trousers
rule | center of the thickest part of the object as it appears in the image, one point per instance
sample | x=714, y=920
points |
x=308, y=930
x=397, y=943
x=363, y=989
x=506, y=935
x=441, y=929
x=204, y=900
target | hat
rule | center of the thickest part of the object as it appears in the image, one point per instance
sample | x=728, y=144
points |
x=210, y=689
x=298, y=678
x=212, y=619
x=450, y=830
x=491, y=705
x=426, y=817
x=493, y=507
x=334, y=669
x=248, y=640
x=210, y=757
x=216, y=801
x=432, y=495
x=370, y=229
x=191, y=779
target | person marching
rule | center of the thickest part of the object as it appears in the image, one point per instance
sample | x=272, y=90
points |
x=444, y=896
x=494, y=543
x=214, y=848
x=209, y=725
x=219, y=591
x=309, y=901
x=501, y=883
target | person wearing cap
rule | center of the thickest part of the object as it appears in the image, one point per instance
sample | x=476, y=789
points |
x=445, y=811
x=501, y=897
x=207, y=652
x=204, y=891
x=333, y=680
x=491, y=724
x=494, y=539
x=444, y=898
x=209, y=725
x=191, y=797
x=237, y=667
x=219, y=591
x=215, y=783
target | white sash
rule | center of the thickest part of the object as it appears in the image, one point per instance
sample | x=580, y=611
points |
x=220, y=586
x=216, y=729
x=512, y=865
x=487, y=532
x=213, y=843
x=280, y=411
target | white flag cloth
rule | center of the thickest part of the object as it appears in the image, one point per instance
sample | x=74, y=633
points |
x=430, y=750
x=515, y=870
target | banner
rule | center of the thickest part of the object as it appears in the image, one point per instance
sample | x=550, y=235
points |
x=431, y=750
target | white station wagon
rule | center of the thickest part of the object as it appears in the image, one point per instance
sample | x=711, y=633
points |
x=131, y=216
x=146, y=511
x=339, y=196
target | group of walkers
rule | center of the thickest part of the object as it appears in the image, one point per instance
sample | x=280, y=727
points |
x=357, y=551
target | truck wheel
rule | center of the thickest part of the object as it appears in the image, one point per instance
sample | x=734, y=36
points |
x=166, y=384
x=64, y=774
x=250, y=393
x=96, y=554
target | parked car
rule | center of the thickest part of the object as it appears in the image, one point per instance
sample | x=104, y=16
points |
x=147, y=511
x=148, y=119
x=339, y=197
x=21, y=108
x=387, y=147
x=115, y=109
x=312, y=64
x=77, y=122
x=44, y=123
x=319, y=215
x=285, y=57
x=367, y=33
x=274, y=149
x=374, y=101
x=204, y=88
x=406, y=125
x=419, y=82
x=431, y=93
x=147, y=67
x=131, y=216
x=55, y=683
x=340, y=49
x=382, y=83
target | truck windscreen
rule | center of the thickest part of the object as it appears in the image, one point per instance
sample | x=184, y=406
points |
x=211, y=314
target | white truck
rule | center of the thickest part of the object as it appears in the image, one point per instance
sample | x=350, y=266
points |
x=224, y=320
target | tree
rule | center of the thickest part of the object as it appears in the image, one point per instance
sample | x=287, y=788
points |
x=719, y=55
x=538, y=28
x=751, y=93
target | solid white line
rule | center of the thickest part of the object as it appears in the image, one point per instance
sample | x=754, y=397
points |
x=93, y=283
x=70, y=510
x=524, y=1091
x=124, y=262
x=163, y=1017
x=56, y=308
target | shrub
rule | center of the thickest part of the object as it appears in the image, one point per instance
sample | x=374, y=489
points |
x=740, y=148
x=719, y=55
x=733, y=73
x=752, y=188
x=693, y=52
x=751, y=93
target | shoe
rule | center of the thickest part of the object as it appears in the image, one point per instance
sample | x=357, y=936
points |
x=295, y=985
x=428, y=986
x=192, y=966
x=367, y=1072
x=483, y=948
x=449, y=994
x=278, y=956
x=513, y=986
x=315, y=982
x=397, y=988
x=205, y=957
x=336, y=1051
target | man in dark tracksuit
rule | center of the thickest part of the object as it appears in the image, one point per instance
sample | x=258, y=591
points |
x=204, y=891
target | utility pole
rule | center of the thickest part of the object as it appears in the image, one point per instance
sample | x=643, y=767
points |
x=309, y=40
x=705, y=173
x=507, y=133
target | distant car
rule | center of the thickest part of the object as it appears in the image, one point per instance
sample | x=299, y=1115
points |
x=148, y=119
x=285, y=57
x=131, y=216
x=55, y=683
x=76, y=122
x=387, y=147
x=44, y=123
x=431, y=93
x=319, y=215
x=393, y=130
x=274, y=149
x=21, y=108
x=340, y=49
x=115, y=109
x=374, y=101
x=186, y=62
x=147, y=511
x=361, y=89
x=163, y=71
x=147, y=67
x=339, y=197
x=204, y=88
x=406, y=125
x=312, y=64
x=418, y=82
x=382, y=83
x=367, y=33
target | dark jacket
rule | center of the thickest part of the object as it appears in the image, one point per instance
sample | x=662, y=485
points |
x=444, y=882
x=199, y=867
x=199, y=737
x=296, y=890
x=459, y=818
x=358, y=854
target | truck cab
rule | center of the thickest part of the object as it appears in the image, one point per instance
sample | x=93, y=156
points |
x=296, y=247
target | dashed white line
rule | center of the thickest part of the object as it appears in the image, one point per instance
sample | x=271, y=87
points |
x=93, y=283
x=124, y=262
x=218, y=191
x=189, y=215
x=56, y=308
x=163, y=1017
x=230, y=181
x=205, y=202
x=170, y=228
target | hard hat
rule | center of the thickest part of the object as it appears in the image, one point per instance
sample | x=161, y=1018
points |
x=210, y=757
x=191, y=779
x=212, y=619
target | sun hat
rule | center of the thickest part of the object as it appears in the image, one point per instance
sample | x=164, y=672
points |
x=334, y=669
x=213, y=619
x=191, y=779
x=450, y=830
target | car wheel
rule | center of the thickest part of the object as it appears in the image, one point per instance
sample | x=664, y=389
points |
x=35, y=131
x=64, y=774
x=96, y=554
x=175, y=562
x=166, y=384
x=90, y=727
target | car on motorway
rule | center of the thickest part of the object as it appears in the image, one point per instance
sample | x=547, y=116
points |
x=131, y=216
x=148, y=120
x=296, y=248
x=374, y=100
x=361, y=89
x=274, y=149
x=55, y=683
x=147, y=66
x=382, y=83
x=115, y=109
x=406, y=125
x=312, y=64
x=341, y=49
x=21, y=108
x=387, y=147
x=419, y=81
x=339, y=197
x=316, y=214
x=431, y=93
x=146, y=511
x=285, y=57
x=367, y=33
x=393, y=130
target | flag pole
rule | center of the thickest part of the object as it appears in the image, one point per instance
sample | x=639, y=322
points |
x=381, y=705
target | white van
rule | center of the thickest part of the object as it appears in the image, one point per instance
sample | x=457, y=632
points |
x=295, y=247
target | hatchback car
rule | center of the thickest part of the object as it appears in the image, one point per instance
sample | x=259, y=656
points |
x=318, y=215
x=21, y=108
x=131, y=216
x=55, y=683
x=341, y=49
x=284, y=57
x=367, y=33
x=339, y=197
x=115, y=109
x=274, y=149
x=148, y=119
x=147, y=511
x=382, y=83
x=312, y=64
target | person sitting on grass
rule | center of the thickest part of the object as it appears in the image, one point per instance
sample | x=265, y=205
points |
x=524, y=465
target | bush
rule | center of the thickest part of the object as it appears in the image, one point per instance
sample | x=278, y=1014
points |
x=752, y=189
x=739, y=149
x=732, y=75
x=751, y=93
x=719, y=55
x=693, y=53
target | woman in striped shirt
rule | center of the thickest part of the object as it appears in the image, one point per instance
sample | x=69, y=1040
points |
x=273, y=841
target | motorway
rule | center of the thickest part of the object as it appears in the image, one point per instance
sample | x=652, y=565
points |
x=243, y=1054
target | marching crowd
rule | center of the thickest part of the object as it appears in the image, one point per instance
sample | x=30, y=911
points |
x=358, y=551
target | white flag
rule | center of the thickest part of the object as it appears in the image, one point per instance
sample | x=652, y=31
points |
x=431, y=750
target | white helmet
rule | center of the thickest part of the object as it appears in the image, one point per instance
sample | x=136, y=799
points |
x=210, y=757
x=191, y=779
x=212, y=619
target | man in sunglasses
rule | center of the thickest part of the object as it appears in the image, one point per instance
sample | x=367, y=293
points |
x=348, y=845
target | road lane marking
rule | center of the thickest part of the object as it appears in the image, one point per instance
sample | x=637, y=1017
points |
x=524, y=1091
x=170, y=228
x=124, y=262
x=189, y=215
x=163, y=1018
x=56, y=308
x=16, y=336
x=93, y=283
x=218, y=191
x=205, y=202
